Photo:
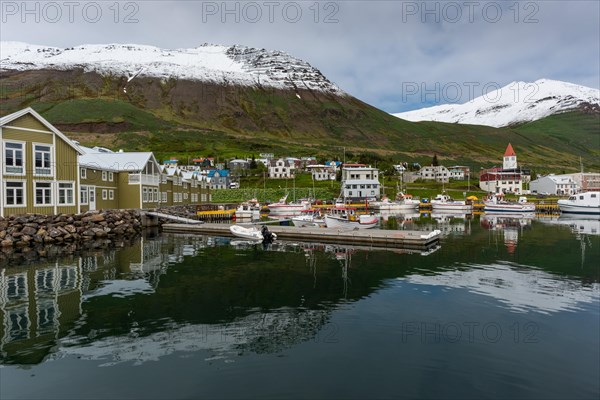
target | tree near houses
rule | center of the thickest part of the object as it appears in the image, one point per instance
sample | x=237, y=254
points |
x=434, y=161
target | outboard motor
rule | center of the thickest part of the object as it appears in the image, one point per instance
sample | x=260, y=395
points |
x=267, y=235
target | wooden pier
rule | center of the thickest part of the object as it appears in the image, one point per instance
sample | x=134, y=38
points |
x=418, y=240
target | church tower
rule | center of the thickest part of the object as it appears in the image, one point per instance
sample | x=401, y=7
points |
x=510, y=158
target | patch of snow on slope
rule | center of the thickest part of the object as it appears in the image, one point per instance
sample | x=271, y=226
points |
x=219, y=64
x=515, y=103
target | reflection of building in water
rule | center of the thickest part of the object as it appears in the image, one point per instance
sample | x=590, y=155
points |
x=509, y=226
x=38, y=304
x=449, y=223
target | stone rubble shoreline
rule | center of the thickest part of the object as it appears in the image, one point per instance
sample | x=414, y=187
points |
x=35, y=229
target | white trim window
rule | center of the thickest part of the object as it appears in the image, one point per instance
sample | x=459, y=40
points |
x=83, y=173
x=43, y=193
x=144, y=195
x=66, y=193
x=155, y=195
x=42, y=158
x=104, y=194
x=14, y=157
x=104, y=175
x=111, y=176
x=111, y=194
x=83, y=195
x=164, y=197
x=14, y=192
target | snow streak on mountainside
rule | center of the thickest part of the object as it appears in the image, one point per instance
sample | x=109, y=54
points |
x=515, y=103
x=235, y=65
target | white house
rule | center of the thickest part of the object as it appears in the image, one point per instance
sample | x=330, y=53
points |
x=360, y=182
x=399, y=168
x=281, y=169
x=554, y=184
x=437, y=173
x=321, y=172
x=457, y=174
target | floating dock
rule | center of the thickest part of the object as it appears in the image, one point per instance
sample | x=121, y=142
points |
x=418, y=240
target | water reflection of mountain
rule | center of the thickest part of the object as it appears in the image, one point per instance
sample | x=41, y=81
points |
x=520, y=288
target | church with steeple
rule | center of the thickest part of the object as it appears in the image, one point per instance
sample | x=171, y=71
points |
x=508, y=179
x=510, y=158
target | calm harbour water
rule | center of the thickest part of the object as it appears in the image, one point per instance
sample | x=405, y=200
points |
x=504, y=308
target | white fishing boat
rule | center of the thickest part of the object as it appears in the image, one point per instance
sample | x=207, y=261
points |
x=248, y=210
x=498, y=204
x=402, y=202
x=445, y=202
x=283, y=208
x=581, y=203
x=346, y=217
x=251, y=233
x=310, y=218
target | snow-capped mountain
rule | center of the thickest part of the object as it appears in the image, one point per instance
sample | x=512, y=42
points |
x=515, y=103
x=235, y=65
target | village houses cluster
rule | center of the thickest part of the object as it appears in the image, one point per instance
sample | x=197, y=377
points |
x=45, y=172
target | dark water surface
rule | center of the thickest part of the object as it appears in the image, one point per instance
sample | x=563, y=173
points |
x=504, y=309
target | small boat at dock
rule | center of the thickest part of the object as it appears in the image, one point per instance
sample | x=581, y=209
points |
x=346, y=217
x=248, y=210
x=253, y=233
x=309, y=218
x=445, y=202
x=402, y=202
x=498, y=204
x=284, y=209
x=582, y=203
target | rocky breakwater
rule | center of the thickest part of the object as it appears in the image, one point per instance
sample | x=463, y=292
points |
x=33, y=229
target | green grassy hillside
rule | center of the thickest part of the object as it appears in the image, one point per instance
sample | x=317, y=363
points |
x=189, y=119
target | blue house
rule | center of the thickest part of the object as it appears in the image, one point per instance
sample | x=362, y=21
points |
x=218, y=178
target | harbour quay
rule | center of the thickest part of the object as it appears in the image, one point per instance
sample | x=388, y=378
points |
x=418, y=240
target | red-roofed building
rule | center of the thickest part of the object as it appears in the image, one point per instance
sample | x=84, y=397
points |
x=508, y=179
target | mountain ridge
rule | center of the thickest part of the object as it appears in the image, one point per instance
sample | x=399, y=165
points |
x=235, y=64
x=516, y=103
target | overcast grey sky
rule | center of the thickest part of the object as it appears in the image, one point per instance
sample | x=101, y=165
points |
x=374, y=50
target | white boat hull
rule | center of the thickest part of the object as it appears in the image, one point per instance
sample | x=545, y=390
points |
x=509, y=208
x=452, y=206
x=363, y=222
x=578, y=209
x=246, y=233
x=247, y=214
x=286, y=210
x=303, y=221
x=393, y=206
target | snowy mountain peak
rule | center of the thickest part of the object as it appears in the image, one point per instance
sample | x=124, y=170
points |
x=238, y=65
x=515, y=103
